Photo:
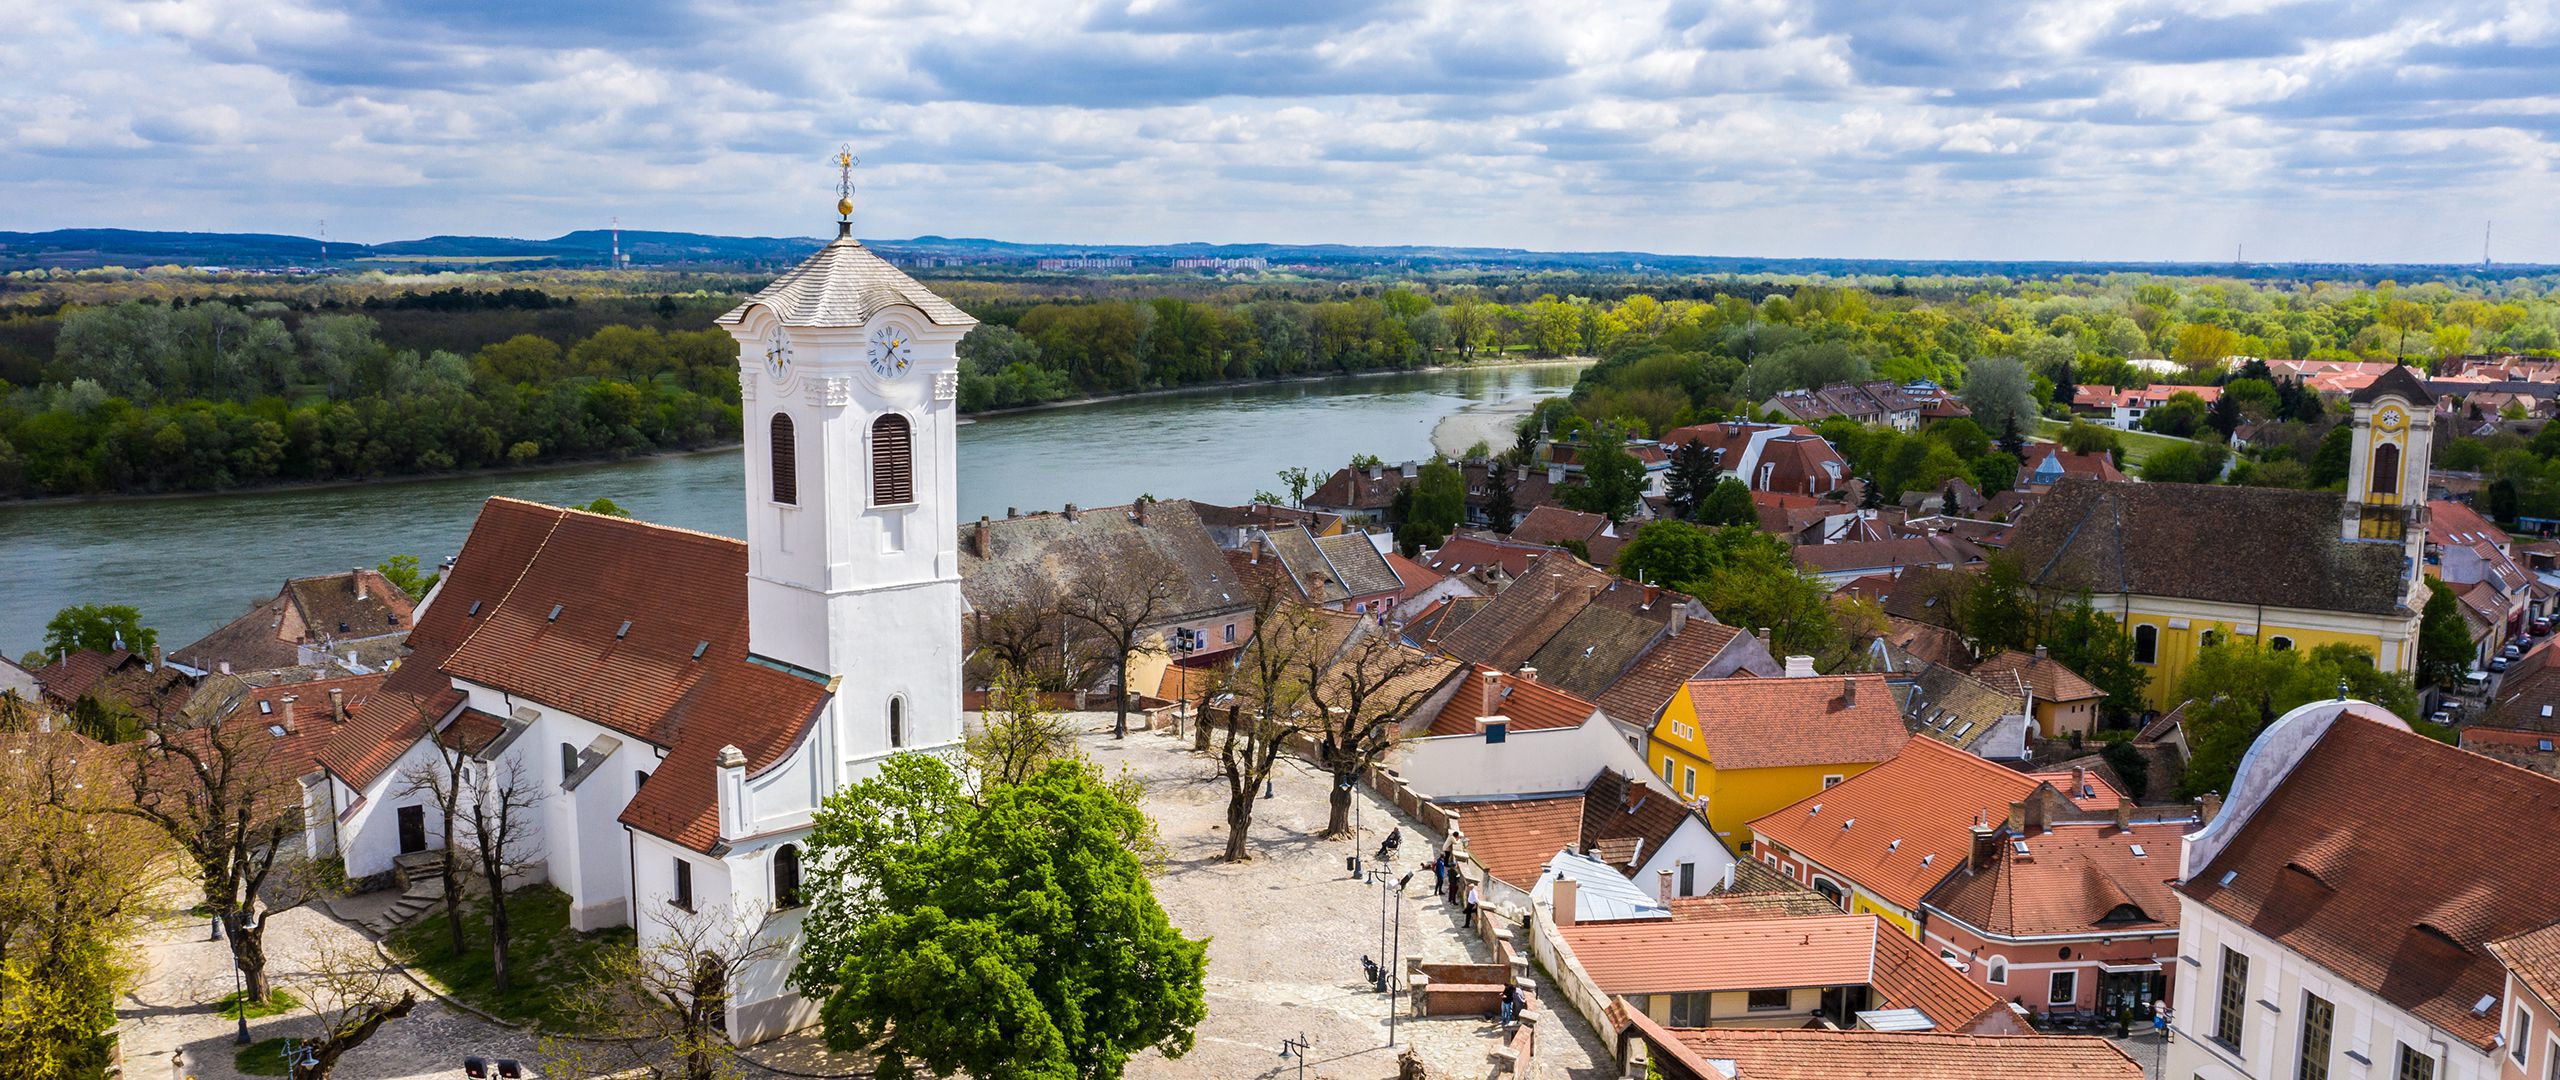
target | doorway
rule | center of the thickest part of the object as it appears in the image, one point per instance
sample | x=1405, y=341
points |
x=413, y=829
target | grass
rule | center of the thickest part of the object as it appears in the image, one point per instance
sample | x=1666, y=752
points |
x=2138, y=445
x=277, y=1004
x=264, y=1057
x=545, y=956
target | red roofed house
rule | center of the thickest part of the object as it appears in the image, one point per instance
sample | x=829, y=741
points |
x=1731, y=1053
x=1747, y=746
x=685, y=700
x=2062, y=701
x=2473, y=556
x=2132, y=405
x=2048, y=463
x=2357, y=904
x=356, y=620
x=2097, y=888
x=1769, y=457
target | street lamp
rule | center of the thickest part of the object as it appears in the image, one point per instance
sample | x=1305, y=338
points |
x=1180, y=648
x=1395, y=958
x=1296, y=1048
x=1352, y=862
x=240, y=983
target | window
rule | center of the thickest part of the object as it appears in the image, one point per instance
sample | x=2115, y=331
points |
x=1768, y=1001
x=684, y=885
x=1230, y=634
x=568, y=760
x=893, y=480
x=638, y=779
x=1666, y=770
x=2386, y=470
x=786, y=877
x=2279, y=643
x=2065, y=989
x=1688, y=879
x=2209, y=638
x=2233, y=997
x=2318, y=1018
x=1996, y=970
x=2414, y=1065
x=2521, y=1039
x=1830, y=890
x=2146, y=644
x=897, y=721
x=1689, y=782
x=1689, y=1010
x=1832, y=778
x=2551, y=1060
x=786, y=461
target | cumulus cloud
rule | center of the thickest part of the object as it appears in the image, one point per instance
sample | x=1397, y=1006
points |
x=2162, y=129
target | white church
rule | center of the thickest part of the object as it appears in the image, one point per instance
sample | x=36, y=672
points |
x=686, y=700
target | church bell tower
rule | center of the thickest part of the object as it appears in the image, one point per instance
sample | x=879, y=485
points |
x=848, y=376
x=2393, y=422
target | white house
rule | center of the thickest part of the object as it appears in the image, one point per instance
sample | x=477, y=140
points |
x=684, y=701
x=2336, y=917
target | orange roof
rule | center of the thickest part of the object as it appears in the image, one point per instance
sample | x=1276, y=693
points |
x=1657, y=956
x=2102, y=797
x=2018, y=672
x=2534, y=959
x=2075, y=878
x=1640, y=693
x=1909, y=976
x=1810, y=1054
x=1417, y=577
x=1775, y=723
x=1531, y=705
x=1514, y=838
x=1900, y=828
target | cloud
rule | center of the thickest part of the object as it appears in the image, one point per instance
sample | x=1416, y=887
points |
x=1938, y=128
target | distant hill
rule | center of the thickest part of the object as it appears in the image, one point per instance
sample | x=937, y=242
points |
x=592, y=248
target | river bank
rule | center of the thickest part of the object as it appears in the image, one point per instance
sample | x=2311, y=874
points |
x=1242, y=384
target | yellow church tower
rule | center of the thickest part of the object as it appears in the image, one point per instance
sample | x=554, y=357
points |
x=2394, y=425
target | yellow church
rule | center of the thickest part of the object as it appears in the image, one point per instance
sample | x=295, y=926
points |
x=2180, y=564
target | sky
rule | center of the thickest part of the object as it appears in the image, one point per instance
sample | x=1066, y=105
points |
x=1991, y=129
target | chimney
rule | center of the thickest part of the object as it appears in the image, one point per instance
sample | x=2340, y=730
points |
x=2040, y=653
x=731, y=772
x=1521, y=473
x=1679, y=619
x=978, y=538
x=1529, y=673
x=224, y=667
x=1408, y=469
x=2208, y=807
x=1071, y=512
x=1142, y=512
x=1986, y=848
x=1555, y=474
x=358, y=575
x=2079, y=782
x=1257, y=548
x=1800, y=667
x=155, y=656
x=1012, y=512
x=1848, y=692
x=2124, y=816
x=287, y=701
x=1567, y=898
x=1490, y=683
x=1663, y=886
x=2018, y=818
x=2036, y=811
x=337, y=704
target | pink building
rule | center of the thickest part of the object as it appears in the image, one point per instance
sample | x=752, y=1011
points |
x=2074, y=917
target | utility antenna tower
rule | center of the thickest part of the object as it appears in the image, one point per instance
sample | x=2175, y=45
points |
x=324, y=241
x=617, y=241
x=2484, y=242
x=2240, y=254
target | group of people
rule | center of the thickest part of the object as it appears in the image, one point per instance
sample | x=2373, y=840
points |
x=1445, y=880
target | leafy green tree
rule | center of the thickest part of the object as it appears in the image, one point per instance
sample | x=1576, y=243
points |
x=1439, y=497
x=1612, y=478
x=1997, y=612
x=1694, y=473
x=2445, y=649
x=1993, y=472
x=1998, y=391
x=1668, y=552
x=1299, y=480
x=97, y=628
x=2237, y=687
x=2181, y=415
x=1729, y=504
x=2129, y=764
x=402, y=571
x=2094, y=645
x=1008, y=932
x=2083, y=437
x=2186, y=463
x=2329, y=462
x=607, y=507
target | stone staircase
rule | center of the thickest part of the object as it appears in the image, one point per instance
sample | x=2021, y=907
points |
x=421, y=888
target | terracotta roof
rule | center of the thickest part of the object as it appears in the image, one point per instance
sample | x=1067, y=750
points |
x=1416, y=576
x=2533, y=957
x=2452, y=522
x=2528, y=695
x=1627, y=822
x=1786, y=514
x=1554, y=525
x=1900, y=828
x=1658, y=956
x=1928, y=594
x=844, y=284
x=1639, y=693
x=1472, y=554
x=1527, y=612
x=2372, y=890
x=2075, y=879
x=1035, y=552
x=1775, y=723
x=1909, y=976
x=1809, y=1054
x=1357, y=489
x=2102, y=794
x=1530, y=704
x=306, y=611
x=2017, y=672
x=1926, y=643
x=1514, y=838
x=2173, y=540
x=1753, y=904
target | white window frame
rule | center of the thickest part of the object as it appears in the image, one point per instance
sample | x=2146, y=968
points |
x=1688, y=782
x=1829, y=779
x=1996, y=971
x=2520, y=1036
x=2053, y=984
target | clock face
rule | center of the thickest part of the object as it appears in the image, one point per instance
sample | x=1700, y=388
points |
x=891, y=351
x=2390, y=419
x=777, y=354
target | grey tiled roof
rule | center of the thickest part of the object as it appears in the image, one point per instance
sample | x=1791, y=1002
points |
x=1357, y=561
x=844, y=284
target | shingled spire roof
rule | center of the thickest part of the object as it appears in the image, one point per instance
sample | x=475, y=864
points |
x=845, y=284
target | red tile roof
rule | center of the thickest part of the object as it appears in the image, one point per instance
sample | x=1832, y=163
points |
x=1527, y=612
x=2017, y=672
x=1900, y=828
x=1417, y=577
x=1671, y=956
x=2533, y=957
x=1640, y=693
x=1471, y=554
x=2399, y=896
x=2075, y=879
x=1909, y=976
x=1810, y=1054
x=1514, y=838
x=1775, y=723
x=1531, y=705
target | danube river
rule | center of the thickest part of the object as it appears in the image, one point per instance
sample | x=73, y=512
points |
x=191, y=564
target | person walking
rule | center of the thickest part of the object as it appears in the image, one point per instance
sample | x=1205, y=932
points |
x=1475, y=898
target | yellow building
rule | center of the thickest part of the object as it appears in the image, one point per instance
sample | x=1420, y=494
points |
x=1744, y=747
x=2182, y=564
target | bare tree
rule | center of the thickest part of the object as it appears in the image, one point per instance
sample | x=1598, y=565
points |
x=1360, y=697
x=1016, y=736
x=350, y=993
x=658, y=1011
x=445, y=781
x=1270, y=705
x=499, y=815
x=225, y=788
x=1122, y=599
x=1025, y=631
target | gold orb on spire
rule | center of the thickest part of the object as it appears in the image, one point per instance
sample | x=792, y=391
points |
x=845, y=161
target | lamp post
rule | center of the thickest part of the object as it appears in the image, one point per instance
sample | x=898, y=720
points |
x=1296, y=1048
x=1353, y=862
x=1180, y=648
x=240, y=984
x=1395, y=958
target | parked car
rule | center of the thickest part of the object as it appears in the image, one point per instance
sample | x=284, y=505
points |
x=2498, y=664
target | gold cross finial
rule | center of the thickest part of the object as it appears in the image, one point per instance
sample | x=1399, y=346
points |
x=845, y=161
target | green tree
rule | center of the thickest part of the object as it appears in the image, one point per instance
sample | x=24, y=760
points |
x=2186, y=463
x=97, y=628
x=2083, y=437
x=1668, y=552
x=2094, y=645
x=1501, y=505
x=1693, y=477
x=1299, y=480
x=2329, y=462
x=1998, y=391
x=2181, y=415
x=607, y=507
x=1439, y=498
x=1612, y=478
x=2444, y=641
x=1008, y=932
x=402, y=571
x=1997, y=612
x=2237, y=687
x=1729, y=504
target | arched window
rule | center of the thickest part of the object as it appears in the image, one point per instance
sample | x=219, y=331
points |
x=786, y=461
x=1831, y=892
x=2146, y=644
x=786, y=877
x=897, y=722
x=893, y=474
x=1996, y=970
x=2279, y=643
x=2386, y=469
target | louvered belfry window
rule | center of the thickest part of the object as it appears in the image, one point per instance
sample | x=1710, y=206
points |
x=893, y=473
x=786, y=461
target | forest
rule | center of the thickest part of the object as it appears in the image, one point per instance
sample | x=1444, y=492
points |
x=171, y=381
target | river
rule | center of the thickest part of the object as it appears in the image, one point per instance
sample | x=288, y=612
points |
x=191, y=564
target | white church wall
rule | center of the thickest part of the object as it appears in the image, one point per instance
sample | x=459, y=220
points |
x=369, y=837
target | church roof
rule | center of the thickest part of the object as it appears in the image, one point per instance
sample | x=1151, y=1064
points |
x=845, y=284
x=2399, y=380
x=2179, y=540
